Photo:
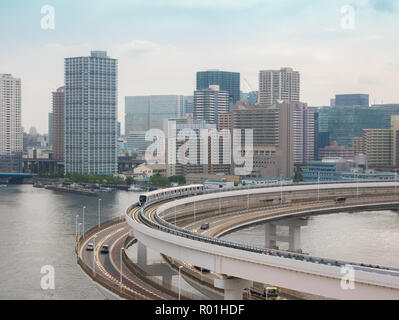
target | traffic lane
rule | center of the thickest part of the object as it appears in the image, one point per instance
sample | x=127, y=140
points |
x=114, y=252
x=109, y=264
x=87, y=256
x=128, y=277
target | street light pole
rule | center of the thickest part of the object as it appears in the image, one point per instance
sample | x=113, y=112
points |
x=121, y=279
x=84, y=221
x=94, y=255
x=79, y=229
x=99, y=212
x=179, y=279
x=396, y=177
x=318, y=187
x=194, y=210
x=76, y=231
x=175, y=215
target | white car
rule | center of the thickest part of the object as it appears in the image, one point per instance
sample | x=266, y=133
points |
x=90, y=247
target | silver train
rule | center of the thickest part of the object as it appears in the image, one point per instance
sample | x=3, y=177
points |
x=168, y=193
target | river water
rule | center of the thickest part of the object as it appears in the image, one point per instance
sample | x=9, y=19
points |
x=365, y=237
x=37, y=228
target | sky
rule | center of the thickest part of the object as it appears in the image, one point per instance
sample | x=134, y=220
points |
x=338, y=46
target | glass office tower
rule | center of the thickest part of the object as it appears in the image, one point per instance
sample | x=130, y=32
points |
x=345, y=123
x=227, y=81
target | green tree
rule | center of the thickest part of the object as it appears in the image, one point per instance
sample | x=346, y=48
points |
x=181, y=180
x=298, y=176
x=129, y=181
x=159, y=181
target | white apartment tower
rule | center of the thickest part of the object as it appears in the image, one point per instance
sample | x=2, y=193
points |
x=91, y=114
x=209, y=103
x=274, y=85
x=303, y=132
x=10, y=115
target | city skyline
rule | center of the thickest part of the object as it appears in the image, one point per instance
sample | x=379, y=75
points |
x=300, y=34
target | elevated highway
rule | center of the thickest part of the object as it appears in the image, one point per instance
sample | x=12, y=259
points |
x=160, y=226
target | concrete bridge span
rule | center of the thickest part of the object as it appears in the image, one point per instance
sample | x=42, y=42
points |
x=240, y=264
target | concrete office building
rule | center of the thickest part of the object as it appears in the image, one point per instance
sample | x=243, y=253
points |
x=136, y=141
x=382, y=146
x=91, y=114
x=192, y=129
x=334, y=150
x=11, y=135
x=379, y=147
x=227, y=81
x=209, y=103
x=58, y=124
x=274, y=85
x=358, y=145
x=273, y=142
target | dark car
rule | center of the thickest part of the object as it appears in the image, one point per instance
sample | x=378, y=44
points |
x=204, y=226
x=105, y=248
x=340, y=200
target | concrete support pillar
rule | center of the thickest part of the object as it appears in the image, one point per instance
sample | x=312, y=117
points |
x=232, y=287
x=295, y=238
x=270, y=235
x=167, y=280
x=141, y=255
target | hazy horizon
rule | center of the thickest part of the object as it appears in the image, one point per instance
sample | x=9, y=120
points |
x=160, y=45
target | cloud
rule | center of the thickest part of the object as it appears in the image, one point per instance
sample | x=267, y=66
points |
x=384, y=5
x=230, y=4
x=389, y=6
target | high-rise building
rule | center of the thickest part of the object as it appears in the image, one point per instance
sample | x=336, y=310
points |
x=227, y=81
x=345, y=123
x=91, y=114
x=274, y=85
x=343, y=100
x=195, y=163
x=136, y=141
x=58, y=123
x=209, y=103
x=148, y=112
x=118, y=129
x=273, y=144
x=50, y=129
x=188, y=105
x=382, y=146
x=11, y=135
x=303, y=132
x=358, y=145
x=378, y=146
